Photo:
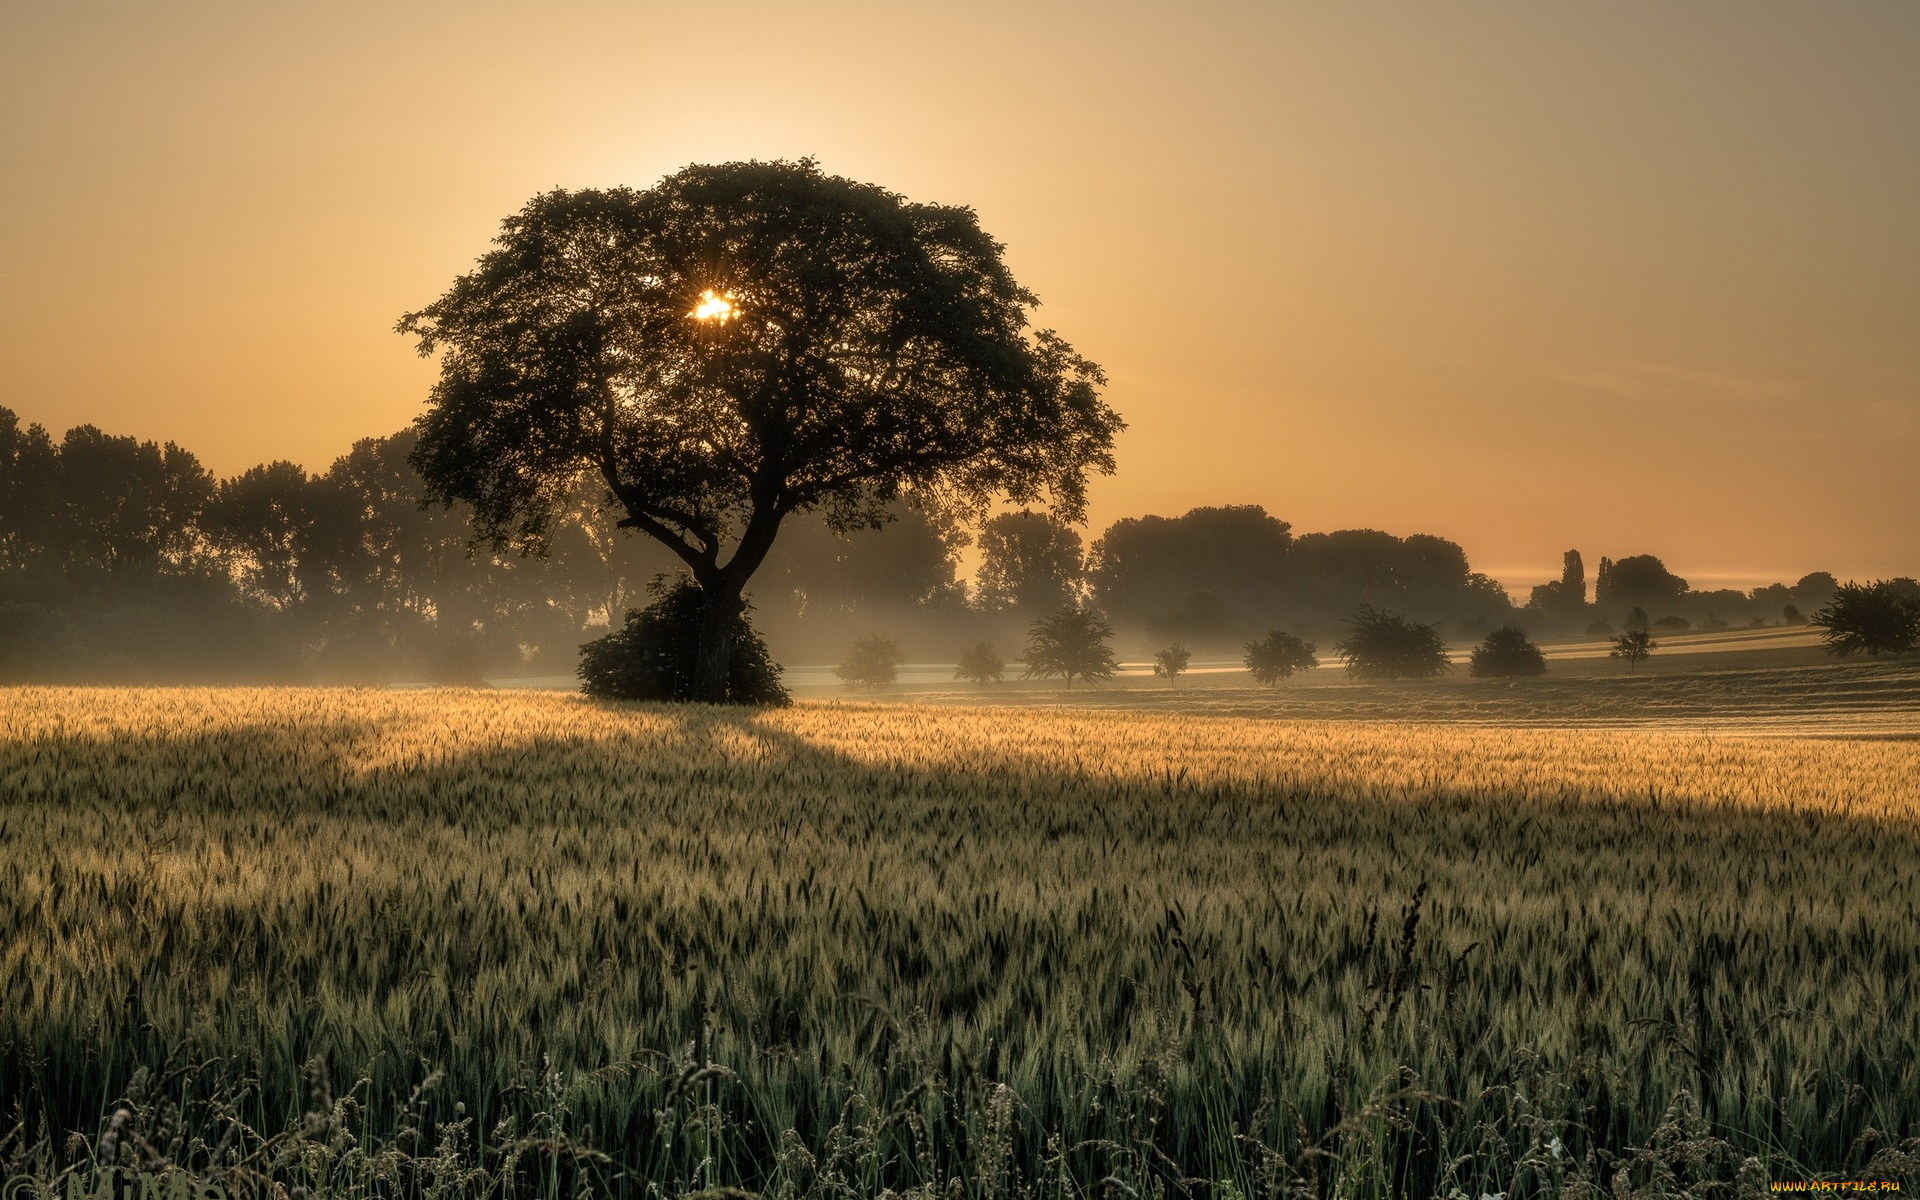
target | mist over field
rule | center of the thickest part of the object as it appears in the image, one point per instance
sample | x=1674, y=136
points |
x=125, y=561
x=959, y=602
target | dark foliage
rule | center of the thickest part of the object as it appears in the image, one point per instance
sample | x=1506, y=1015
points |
x=1566, y=597
x=1640, y=580
x=874, y=661
x=875, y=348
x=1633, y=647
x=1144, y=567
x=652, y=656
x=1386, y=645
x=1882, y=617
x=980, y=664
x=1171, y=662
x=1278, y=656
x=1507, y=652
x=1030, y=562
x=1069, y=644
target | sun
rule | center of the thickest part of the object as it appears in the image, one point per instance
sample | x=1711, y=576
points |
x=714, y=307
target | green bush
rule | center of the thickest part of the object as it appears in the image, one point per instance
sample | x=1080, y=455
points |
x=653, y=656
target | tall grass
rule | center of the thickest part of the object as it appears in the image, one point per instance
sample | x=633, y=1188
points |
x=421, y=942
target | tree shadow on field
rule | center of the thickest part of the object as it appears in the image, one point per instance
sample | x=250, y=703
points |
x=665, y=877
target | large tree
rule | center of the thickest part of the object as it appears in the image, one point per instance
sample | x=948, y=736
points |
x=1029, y=562
x=1882, y=617
x=739, y=343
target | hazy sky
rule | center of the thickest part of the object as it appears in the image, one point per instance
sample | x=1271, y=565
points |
x=1627, y=277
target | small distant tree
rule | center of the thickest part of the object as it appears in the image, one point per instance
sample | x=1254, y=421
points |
x=1876, y=618
x=1278, y=655
x=1071, y=642
x=1600, y=629
x=1634, y=646
x=1637, y=618
x=1386, y=645
x=1507, y=652
x=1171, y=662
x=1673, y=623
x=1791, y=615
x=982, y=664
x=874, y=661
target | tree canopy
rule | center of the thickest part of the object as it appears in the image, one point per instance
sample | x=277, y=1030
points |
x=1506, y=652
x=1030, y=562
x=1171, y=662
x=873, y=660
x=1278, y=655
x=1386, y=645
x=1633, y=647
x=1069, y=644
x=980, y=663
x=863, y=347
x=1882, y=617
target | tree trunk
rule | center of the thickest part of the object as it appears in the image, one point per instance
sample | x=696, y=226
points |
x=721, y=610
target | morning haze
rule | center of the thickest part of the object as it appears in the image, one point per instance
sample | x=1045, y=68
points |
x=567, y=627
x=1636, y=279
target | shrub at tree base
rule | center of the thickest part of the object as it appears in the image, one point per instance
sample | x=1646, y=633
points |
x=1386, y=645
x=653, y=656
x=1507, y=652
x=1876, y=618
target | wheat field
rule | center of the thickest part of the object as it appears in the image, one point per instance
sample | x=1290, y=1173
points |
x=452, y=942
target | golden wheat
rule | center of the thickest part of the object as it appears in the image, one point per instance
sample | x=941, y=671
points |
x=1223, y=939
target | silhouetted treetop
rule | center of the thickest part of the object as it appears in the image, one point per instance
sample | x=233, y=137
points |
x=1144, y=567
x=1030, y=561
x=1640, y=580
x=869, y=347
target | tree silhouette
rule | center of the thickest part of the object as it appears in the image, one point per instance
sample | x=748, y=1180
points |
x=1030, y=562
x=1386, y=645
x=1278, y=656
x=1566, y=596
x=1171, y=662
x=982, y=664
x=1069, y=643
x=1508, y=651
x=874, y=660
x=1882, y=617
x=1145, y=567
x=854, y=348
x=1634, y=647
x=1640, y=580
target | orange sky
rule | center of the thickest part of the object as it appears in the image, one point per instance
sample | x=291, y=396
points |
x=1627, y=277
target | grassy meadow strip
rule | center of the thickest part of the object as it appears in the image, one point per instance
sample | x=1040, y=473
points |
x=461, y=940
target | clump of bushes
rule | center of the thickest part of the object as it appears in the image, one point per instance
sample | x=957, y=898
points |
x=654, y=655
x=1507, y=652
x=1386, y=645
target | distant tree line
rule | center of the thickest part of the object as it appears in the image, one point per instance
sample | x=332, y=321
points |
x=1639, y=592
x=127, y=560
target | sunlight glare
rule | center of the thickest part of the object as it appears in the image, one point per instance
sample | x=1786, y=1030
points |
x=713, y=307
